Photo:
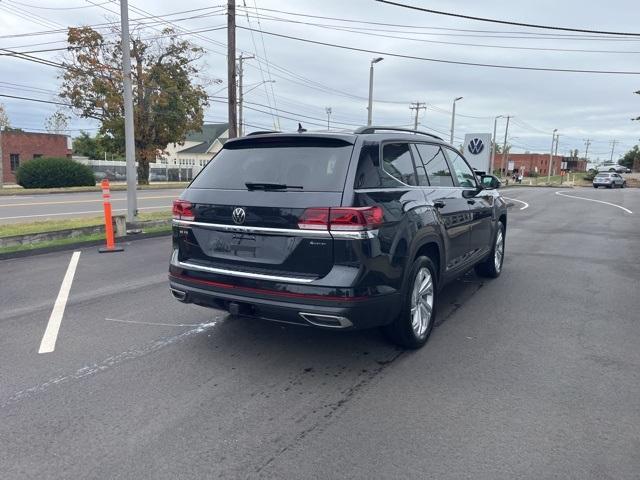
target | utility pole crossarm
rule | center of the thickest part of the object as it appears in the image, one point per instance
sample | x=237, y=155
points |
x=417, y=107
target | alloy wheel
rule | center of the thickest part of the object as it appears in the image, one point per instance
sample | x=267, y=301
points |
x=422, y=298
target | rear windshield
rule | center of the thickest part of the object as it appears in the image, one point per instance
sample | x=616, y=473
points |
x=318, y=165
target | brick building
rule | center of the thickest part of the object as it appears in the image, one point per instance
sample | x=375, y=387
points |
x=539, y=163
x=18, y=147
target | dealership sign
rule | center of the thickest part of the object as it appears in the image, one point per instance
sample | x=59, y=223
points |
x=477, y=150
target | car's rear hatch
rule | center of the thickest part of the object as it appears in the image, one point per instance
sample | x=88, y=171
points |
x=241, y=214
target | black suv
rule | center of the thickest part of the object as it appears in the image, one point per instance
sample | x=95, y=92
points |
x=335, y=230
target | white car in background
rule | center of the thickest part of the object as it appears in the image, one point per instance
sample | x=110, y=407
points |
x=612, y=167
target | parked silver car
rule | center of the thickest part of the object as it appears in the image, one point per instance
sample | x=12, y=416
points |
x=612, y=167
x=609, y=180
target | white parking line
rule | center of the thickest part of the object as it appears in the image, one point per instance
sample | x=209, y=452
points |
x=593, y=200
x=48, y=343
x=526, y=205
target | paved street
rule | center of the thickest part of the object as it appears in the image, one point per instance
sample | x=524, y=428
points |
x=32, y=208
x=534, y=375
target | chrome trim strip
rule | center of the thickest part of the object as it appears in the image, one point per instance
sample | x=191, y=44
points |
x=261, y=230
x=341, y=234
x=232, y=273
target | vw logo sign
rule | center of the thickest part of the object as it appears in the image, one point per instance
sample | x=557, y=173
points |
x=475, y=146
x=238, y=216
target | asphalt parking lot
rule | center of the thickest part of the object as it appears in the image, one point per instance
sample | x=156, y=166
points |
x=532, y=375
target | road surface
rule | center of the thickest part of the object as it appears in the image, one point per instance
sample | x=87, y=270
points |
x=533, y=375
x=36, y=208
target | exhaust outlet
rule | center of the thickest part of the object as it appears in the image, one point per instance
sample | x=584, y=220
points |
x=179, y=295
x=327, y=321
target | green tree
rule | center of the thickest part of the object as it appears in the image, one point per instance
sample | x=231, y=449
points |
x=631, y=157
x=167, y=102
x=98, y=147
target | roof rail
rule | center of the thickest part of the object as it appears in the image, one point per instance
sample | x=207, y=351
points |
x=374, y=129
x=262, y=132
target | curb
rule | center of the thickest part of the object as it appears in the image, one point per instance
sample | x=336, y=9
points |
x=73, y=246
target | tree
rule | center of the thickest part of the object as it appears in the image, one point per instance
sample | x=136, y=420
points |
x=58, y=122
x=167, y=102
x=4, y=118
x=631, y=157
x=98, y=147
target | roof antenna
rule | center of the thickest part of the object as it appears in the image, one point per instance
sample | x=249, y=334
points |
x=300, y=129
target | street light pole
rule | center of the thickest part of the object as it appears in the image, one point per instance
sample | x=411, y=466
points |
x=328, y=110
x=553, y=139
x=241, y=59
x=493, y=147
x=370, y=107
x=453, y=118
x=504, y=148
x=129, y=132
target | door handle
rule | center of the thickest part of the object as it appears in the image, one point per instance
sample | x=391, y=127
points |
x=471, y=202
x=439, y=204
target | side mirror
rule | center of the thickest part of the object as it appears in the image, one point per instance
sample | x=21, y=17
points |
x=490, y=182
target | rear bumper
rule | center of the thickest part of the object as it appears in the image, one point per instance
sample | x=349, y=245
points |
x=312, y=309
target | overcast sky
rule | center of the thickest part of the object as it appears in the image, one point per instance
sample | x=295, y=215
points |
x=309, y=78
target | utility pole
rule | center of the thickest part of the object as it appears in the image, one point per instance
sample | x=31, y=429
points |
x=129, y=132
x=417, y=107
x=241, y=59
x=328, y=110
x=505, y=165
x=370, y=107
x=587, y=142
x=231, y=68
x=453, y=118
x=613, y=147
x=553, y=139
x=493, y=146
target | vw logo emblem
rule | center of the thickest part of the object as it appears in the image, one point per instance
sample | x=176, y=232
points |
x=238, y=216
x=475, y=146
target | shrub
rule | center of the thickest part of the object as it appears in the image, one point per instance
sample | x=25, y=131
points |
x=54, y=172
x=591, y=174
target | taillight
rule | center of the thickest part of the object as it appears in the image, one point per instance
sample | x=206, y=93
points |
x=314, y=219
x=341, y=218
x=183, y=210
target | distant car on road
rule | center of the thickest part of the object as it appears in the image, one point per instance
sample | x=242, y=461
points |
x=613, y=167
x=335, y=230
x=609, y=180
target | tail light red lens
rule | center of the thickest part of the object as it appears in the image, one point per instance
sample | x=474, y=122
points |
x=339, y=218
x=183, y=210
x=314, y=219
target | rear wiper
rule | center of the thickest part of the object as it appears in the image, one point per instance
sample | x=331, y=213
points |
x=270, y=186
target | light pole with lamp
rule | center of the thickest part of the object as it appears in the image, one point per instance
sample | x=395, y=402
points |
x=553, y=140
x=453, y=118
x=370, y=107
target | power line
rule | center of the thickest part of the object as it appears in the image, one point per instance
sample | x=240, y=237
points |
x=56, y=8
x=506, y=22
x=377, y=33
x=453, y=62
x=533, y=35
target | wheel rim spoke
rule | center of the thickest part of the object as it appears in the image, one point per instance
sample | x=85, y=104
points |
x=422, y=302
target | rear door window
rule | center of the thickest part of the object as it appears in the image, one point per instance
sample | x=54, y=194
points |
x=316, y=165
x=397, y=162
x=435, y=165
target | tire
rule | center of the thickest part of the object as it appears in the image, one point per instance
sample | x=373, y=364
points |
x=624, y=184
x=491, y=267
x=595, y=186
x=410, y=329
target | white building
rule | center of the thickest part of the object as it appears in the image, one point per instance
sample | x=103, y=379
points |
x=197, y=149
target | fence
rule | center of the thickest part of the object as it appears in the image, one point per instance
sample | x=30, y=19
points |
x=115, y=170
